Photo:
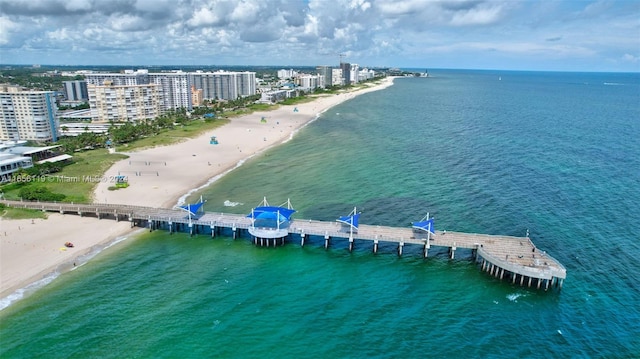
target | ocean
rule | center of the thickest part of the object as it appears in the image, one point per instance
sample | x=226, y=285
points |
x=496, y=152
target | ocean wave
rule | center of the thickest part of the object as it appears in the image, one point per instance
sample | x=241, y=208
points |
x=294, y=132
x=22, y=292
x=514, y=296
x=228, y=203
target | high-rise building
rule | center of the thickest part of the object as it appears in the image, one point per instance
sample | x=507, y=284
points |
x=286, y=74
x=246, y=82
x=110, y=102
x=176, y=89
x=336, y=77
x=129, y=77
x=175, y=86
x=224, y=85
x=346, y=73
x=75, y=90
x=28, y=115
x=310, y=82
x=196, y=96
x=355, y=69
x=325, y=72
x=366, y=74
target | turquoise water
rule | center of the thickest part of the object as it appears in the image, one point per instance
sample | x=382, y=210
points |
x=555, y=153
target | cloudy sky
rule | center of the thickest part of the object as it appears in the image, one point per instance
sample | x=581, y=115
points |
x=511, y=35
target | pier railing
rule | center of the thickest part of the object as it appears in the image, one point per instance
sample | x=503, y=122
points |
x=543, y=271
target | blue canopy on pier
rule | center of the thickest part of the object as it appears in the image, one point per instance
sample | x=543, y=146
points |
x=267, y=211
x=351, y=220
x=271, y=216
x=192, y=208
x=425, y=226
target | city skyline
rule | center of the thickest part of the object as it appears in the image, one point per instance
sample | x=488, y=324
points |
x=506, y=35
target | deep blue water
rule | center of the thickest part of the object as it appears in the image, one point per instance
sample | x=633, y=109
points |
x=483, y=151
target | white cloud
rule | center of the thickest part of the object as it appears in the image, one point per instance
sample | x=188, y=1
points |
x=77, y=5
x=311, y=26
x=246, y=12
x=205, y=17
x=127, y=23
x=406, y=7
x=8, y=27
x=371, y=31
x=630, y=58
x=59, y=35
x=362, y=5
x=477, y=16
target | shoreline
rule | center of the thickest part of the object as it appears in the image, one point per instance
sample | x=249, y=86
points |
x=162, y=176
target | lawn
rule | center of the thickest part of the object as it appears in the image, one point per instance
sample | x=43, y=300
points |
x=20, y=213
x=74, y=179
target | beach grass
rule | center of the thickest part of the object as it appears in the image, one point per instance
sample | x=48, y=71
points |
x=84, y=173
x=171, y=136
x=20, y=213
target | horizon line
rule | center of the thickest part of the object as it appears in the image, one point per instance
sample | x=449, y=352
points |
x=311, y=66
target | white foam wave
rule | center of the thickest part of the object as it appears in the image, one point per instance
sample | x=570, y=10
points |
x=22, y=292
x=514, y=296
x=228, y=203
x=295, y=132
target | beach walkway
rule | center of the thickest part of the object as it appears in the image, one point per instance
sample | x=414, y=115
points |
x=515, y=259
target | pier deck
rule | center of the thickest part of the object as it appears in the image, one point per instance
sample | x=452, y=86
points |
x=516, y=258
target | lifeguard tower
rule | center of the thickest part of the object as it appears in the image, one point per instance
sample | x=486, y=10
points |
x=122, y=182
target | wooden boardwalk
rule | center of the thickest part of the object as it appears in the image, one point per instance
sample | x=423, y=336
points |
x=513, y=258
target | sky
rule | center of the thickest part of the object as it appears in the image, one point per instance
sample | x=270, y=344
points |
x=544, y=35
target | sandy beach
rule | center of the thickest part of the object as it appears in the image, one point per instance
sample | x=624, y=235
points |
x=34, y=249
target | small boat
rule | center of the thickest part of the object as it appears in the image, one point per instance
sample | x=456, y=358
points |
x=68, y=244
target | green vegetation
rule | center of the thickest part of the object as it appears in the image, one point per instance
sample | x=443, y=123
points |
x=39, y=192
x=78, y=180
x=36, y=79
x=297, y=100
x=82, y=106
x=177, y=134
x=262, y=107
x=74, y=182
x=20, y=213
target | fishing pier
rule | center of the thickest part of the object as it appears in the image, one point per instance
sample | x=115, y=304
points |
x=509, y=258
